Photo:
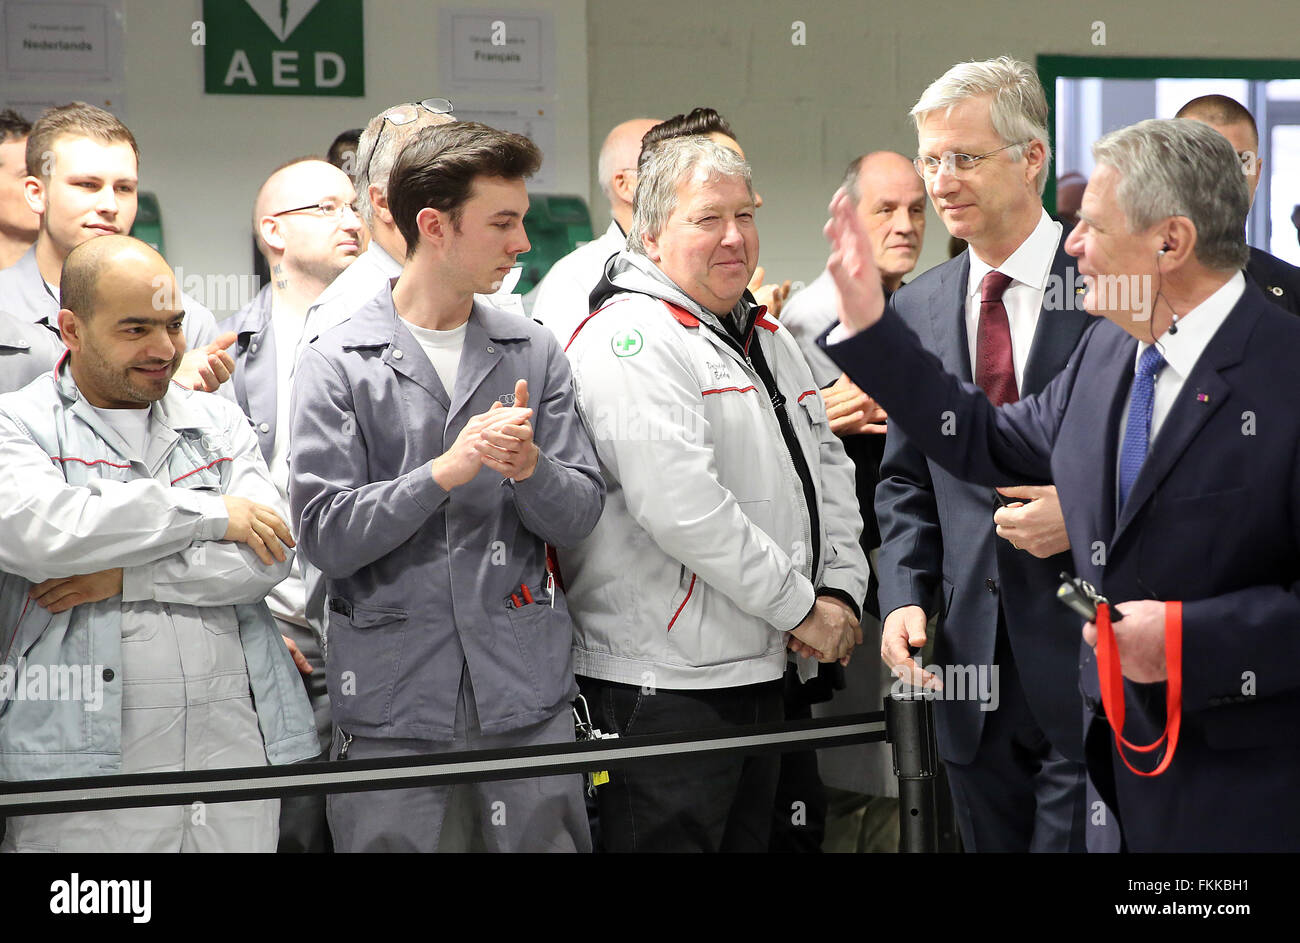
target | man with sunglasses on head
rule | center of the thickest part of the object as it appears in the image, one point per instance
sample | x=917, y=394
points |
x=436, y=451
x=1004, y=314
x=380, y=143
x=306, y=226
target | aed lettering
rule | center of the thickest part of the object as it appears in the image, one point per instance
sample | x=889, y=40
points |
x=330, y=69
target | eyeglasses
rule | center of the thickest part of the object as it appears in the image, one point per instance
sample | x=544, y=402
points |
x=954, y=163
x=326, y=208
x=403, y=114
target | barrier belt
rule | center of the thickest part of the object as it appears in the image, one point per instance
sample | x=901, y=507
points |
x=265, y=782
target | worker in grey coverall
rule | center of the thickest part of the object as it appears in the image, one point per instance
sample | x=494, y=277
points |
x=436, y=450
x=139, y=533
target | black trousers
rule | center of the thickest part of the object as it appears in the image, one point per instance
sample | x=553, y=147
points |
x=1020, y=793
x=712, y=802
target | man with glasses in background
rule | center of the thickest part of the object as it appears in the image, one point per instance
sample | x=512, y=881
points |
x=1279, y=279
x=1003, y=314
x=306, y=226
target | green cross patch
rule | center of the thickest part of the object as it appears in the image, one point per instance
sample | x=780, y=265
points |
x=626, y=343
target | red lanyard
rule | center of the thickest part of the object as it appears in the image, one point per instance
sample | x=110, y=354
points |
x=1111, y=677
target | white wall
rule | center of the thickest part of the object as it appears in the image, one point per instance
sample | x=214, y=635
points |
x=802, y=112
x=206, y=155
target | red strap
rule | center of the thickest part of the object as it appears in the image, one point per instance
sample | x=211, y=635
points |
x=1111, y=677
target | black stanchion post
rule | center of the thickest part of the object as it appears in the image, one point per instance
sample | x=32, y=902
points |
x=909, y=726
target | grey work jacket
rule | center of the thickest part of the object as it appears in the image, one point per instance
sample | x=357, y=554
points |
x=420, y=580
x=25, y=295
x=255, y=388
x=26, y=351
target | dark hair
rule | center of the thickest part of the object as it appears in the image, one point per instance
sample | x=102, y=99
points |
x=437, y=167
x=75, y=119
x=1220, y=110
x=347, y=141
x=13, y=126
x=697, y=121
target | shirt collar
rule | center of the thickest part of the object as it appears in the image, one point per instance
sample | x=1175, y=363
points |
x=1197, y=327
x=1029, y=264
x=386, y=263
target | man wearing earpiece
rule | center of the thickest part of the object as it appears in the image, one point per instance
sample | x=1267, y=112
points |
x=1171, y=437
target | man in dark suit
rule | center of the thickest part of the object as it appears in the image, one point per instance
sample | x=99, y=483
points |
x=1279, y=279
x=1171, y=437
x=1004, y=313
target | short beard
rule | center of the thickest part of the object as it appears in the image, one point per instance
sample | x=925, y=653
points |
x=321, y=270
x=114, y=382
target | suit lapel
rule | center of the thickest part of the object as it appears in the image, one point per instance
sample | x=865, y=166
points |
x=1060, y=325
x=948, y=321
x=1204, y=392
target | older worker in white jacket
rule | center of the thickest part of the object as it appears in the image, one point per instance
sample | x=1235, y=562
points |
x=730, y=530
x=139, y=534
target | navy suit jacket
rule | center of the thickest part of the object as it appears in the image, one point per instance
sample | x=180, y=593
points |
x=1213, y=520
x=933, y=525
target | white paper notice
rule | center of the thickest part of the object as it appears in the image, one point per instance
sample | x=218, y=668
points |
x=489, y=52
x=63, y=42
x=52, y=53
x=533, y=124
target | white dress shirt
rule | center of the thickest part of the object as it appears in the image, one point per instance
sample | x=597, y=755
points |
x=562, y=295
x=1028, y=267
x=1181, y=351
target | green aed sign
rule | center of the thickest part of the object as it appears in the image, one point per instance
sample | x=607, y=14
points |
x=283, y=47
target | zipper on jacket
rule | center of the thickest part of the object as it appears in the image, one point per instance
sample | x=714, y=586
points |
x=778, y=401
x=812, y=519
x=347, y=742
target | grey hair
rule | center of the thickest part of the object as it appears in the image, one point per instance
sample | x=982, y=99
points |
x=375, y=168
x=1019, y=106
x=1179, y=167
x=666, y=167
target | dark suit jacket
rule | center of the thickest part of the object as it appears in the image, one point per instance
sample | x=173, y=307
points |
x=934, y=525
x=1279, y=280
x=1213, y=520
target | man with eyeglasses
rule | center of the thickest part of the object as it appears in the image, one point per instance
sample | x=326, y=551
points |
x=306, y=225
x=1004, y=314
x=562, y=295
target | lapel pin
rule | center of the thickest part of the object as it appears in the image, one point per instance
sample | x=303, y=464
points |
x=1275, y=289
x=1202, y=397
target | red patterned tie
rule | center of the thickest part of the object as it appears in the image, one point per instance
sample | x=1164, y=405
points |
x=995, y=372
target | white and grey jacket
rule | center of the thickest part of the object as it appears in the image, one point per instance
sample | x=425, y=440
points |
x=730, y=502
x=74, y=499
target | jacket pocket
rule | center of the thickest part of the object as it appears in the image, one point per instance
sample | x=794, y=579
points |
x=685, y=590
x=366, y=648
x=544, y=637
x=219, y=620
x=814, y=408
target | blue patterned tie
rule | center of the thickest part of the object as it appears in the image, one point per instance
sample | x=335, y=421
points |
x=1137, y=433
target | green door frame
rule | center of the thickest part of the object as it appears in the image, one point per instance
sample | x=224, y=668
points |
x=1051, y=68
